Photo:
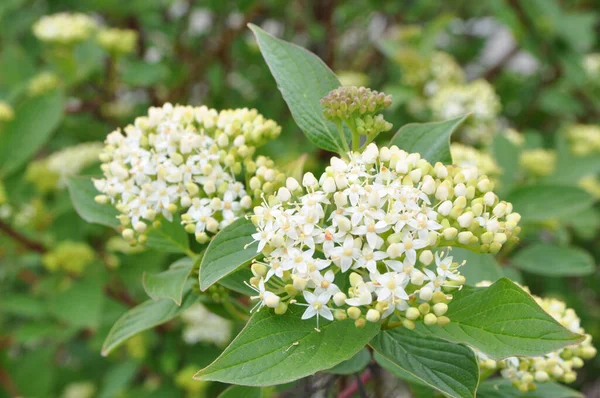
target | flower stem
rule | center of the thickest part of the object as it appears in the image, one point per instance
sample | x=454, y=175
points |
x=343, y=138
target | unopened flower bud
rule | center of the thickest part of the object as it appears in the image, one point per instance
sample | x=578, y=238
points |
x=354, y=312
x=373, y=315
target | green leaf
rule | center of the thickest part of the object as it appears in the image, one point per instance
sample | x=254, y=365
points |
x=82, y=193
x=478, y=267
x=506, y=155
x=449, y=368
x=241, y=391
x=145, y=316
x=431, y=140
x=275, y=349
x=34, y=365
x=303, y=80
x=543, y=202
x=397, y=371
x=82, y=304
x=502, y=388
x=35, y=120
x=295, y=169
x=569, y=167
x=237, y=280
x=117, y=378
x=170, y=237
x=501, y=320
x=227, y=252
x=551, y=260
x=170, y=283
x=353, y=365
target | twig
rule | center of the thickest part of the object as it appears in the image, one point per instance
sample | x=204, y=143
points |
x=7, y=382
x=22, y=239
x=357, y=385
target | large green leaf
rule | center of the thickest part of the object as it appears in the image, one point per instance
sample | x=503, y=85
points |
x=229, y=250
x=353, y=365
x=431, y=140
x=570, y=168
x=145, y=316
x=303, y=80
x=82, y=304
x=543, y=202
x=550, y=260
x=169, y=283
x=83, y=192
x=502, y=388
x=35, y=120
x=275, y=349
x=170, y=237
x=478, y=267
x=501, y=320
x=449, y=368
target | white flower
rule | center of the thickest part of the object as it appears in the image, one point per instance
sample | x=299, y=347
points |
x=345, y=255
x=390, y=286
x=264, y=296
x=317, y=305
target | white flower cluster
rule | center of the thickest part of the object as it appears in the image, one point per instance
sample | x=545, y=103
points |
x=478, y=98
x=50, y=173
x=591, y=64
x=42, y=83
x=117, y=41
x=184, y=158
x=443, y=71
x=64, y=28
x=429, y=74
x=202, y=325
x=72, y=160
x=466, y=157
x=363, y=237
x=558, y=365
x=584, y=139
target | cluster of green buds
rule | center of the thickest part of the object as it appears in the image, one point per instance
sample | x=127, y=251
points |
x=266, y=178
x=6, y=112
x=359, y=108
x=349, y=103
x=560, y=365
x=70, y=257
x=186, y=160
x=117, y=41
x=42, y=83
x=538, y=162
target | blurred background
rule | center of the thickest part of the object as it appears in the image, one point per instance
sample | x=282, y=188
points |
x=528, y=71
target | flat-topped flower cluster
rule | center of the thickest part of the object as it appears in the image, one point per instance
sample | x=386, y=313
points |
x=64, y=27
x=187, y=159
x=362, y=240
x=477, y=98
x=560, y=365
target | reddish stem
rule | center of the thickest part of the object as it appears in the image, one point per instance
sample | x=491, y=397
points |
x=349, y=391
